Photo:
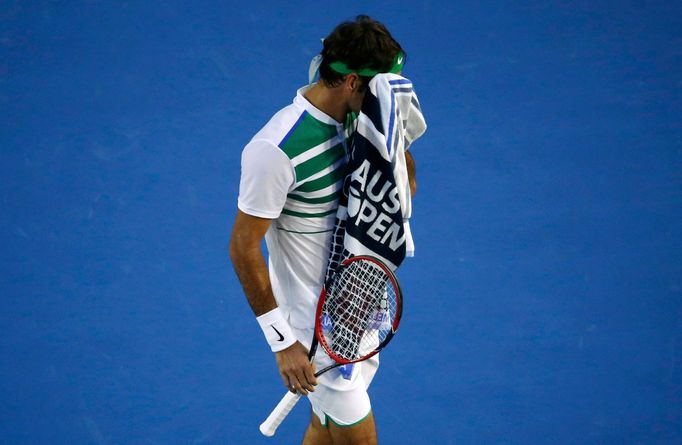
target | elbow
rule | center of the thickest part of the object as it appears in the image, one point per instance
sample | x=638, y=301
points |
x=233, y=249
x=242, y=246
x=246, y=237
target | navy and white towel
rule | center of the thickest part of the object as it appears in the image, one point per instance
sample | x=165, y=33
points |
x=374, y=211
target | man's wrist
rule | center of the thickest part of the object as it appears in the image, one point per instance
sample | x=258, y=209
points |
x=277, y=331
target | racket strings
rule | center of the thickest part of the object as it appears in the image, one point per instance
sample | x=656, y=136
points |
x=358, y=310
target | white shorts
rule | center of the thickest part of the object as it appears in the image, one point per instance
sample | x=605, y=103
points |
x=344, y=402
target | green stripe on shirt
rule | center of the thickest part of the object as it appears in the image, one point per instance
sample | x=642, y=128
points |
x=324, y=181
x=320, y=200
x=308, y=133
x=306, y=169
x=307, y=215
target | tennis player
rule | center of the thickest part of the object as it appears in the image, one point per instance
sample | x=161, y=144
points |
x=292, y=173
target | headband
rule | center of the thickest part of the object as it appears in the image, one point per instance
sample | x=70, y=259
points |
x=342, y=68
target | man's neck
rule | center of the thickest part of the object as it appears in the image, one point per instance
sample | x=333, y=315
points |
x=328, y=101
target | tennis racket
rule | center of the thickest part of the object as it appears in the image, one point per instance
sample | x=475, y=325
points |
x=357, y=315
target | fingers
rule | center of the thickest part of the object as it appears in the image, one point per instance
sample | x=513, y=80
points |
x=300, y=380
x=306, y=384
x=309, y=374
x=297, y=372
x=296, y=387
x=287, y=384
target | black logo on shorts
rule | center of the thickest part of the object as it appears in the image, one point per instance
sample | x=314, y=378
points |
x=281, y=337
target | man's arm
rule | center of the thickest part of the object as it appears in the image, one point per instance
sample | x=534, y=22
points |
x=411, y=172
x=245, y=251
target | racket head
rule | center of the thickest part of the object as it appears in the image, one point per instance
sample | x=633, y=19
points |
x=359, y=310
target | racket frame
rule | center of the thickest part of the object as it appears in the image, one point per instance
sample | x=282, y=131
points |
x=319, y=334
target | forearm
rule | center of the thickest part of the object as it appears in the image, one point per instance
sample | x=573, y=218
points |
x=411, y=172
x=252, y=271
x=292, y=357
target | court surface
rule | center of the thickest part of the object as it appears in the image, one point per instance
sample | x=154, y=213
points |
x=544, y=305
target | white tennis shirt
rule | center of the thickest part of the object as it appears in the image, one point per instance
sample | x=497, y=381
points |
x=291, y=172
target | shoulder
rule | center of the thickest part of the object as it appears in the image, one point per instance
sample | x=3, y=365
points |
x=279, y=125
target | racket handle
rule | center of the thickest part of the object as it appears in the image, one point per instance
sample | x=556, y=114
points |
x=269, y=426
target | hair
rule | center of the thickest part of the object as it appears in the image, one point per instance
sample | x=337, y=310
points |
x=362, y=43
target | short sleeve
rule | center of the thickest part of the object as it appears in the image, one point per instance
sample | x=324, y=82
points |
x=266, y=178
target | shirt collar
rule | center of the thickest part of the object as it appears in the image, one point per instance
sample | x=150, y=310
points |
x=302, y=102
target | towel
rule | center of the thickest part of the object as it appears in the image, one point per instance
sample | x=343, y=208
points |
x=375, y=206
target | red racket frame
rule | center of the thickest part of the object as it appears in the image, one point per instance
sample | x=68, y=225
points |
x=396, y=319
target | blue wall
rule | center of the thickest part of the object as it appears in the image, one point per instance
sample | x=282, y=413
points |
x=544, y=303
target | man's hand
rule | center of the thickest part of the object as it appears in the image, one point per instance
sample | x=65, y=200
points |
x=296, y=370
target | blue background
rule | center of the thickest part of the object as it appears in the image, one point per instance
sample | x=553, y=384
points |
x=544, y=303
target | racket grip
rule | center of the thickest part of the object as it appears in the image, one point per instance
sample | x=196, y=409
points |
x=269, y=426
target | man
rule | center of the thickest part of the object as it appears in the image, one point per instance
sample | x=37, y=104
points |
x=292, y=173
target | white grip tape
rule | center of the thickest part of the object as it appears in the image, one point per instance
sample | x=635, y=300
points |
x=269, y=426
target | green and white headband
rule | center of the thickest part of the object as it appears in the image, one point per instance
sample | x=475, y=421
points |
x=396, y=67
x=341, y=67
